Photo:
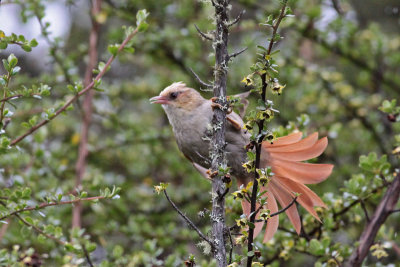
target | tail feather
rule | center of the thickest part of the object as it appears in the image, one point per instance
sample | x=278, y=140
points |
x=286, y=140
x=306, y=173
x=272, y=223
x=305, y=143
x=284, y=198
x=308, y=153
x=290, y=175
x=246, y=210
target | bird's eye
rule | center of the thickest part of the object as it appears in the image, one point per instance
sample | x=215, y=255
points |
x=173, y=95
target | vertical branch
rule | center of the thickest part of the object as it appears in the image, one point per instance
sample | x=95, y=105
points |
x=384, y=209
x=220, y=44
x=87, y=109
x=258, y=145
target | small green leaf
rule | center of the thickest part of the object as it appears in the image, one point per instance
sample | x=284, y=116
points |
x=12, y=61
x=26, y=48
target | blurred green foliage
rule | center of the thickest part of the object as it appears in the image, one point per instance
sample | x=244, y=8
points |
x=341, y=78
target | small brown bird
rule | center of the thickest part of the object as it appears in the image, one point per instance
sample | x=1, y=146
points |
x=190, y=116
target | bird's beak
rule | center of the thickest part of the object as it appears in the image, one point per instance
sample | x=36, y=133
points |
x=159, y=100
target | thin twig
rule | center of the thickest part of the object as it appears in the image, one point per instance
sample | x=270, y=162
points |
x=355, y=202
x=15, y=97
x=224, y=193
x=279, y=211
x=237, y=19
x=188, y=221
x=40, y=231
x=284, y=209
x=231, y=250
x=44, y=205
x=237, y=53
x=200, y=80
x=87, y=256
x=365, y=210
x=204, y=35
x=73, y=99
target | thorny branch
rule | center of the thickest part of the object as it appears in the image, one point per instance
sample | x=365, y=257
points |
x=207, y=85
x=188, y=221
x=220, y=45
x=202, y=34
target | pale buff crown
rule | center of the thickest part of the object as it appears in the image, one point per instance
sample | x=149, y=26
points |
x=182, y=97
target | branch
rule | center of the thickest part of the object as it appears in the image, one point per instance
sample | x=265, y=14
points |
x=14, y=97
x=87, y=110
x=87, y=256
x=207, y=85
x=34, y=227
x=384, y=209
x=40, y=231
x=237, y=53
x=347, y=208
x=204, y=35
x=218, y=143
x=73, y=99
x=188, y=221
x=259, y=142
x=280, y=211
x=238, y=18
x=338, y=7
x=44, y=205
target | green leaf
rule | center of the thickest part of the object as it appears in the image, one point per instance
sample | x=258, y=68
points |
x=141, y=16
x=26, y=48
x=33, y=43
x=12, y=61
x=113, y=49
x=316, y=248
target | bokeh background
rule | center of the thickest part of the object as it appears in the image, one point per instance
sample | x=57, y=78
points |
x=339, y=60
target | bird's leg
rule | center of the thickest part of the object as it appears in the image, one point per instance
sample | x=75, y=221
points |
x=215, y=105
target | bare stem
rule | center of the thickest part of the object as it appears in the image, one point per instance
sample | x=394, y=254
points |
x=188, y=221
x=87, y=110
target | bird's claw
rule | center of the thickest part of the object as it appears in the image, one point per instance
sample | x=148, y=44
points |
x=212, y=174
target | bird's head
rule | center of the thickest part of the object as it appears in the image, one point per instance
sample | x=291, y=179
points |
x=178, y=96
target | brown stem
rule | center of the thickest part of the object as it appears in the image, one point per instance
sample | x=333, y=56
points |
x=87, y=110
x=44, y=205
x=73, y=99
x=220, y=44
x=188, y=221
x=384, y=209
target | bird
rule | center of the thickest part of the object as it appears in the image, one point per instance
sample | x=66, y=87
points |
x=190, y=116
